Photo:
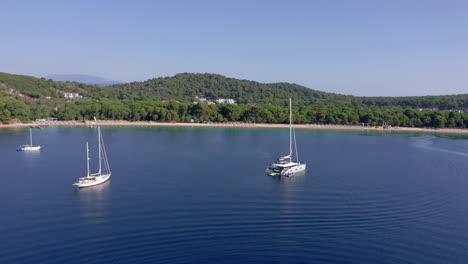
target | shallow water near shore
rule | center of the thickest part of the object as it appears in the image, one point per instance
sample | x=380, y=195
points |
x=200, y=195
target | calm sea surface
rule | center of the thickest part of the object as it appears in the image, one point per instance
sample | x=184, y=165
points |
x=200, y=195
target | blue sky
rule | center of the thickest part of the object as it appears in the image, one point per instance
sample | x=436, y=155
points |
x=358, y=47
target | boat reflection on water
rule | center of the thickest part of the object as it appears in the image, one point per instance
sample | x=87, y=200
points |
x=32, y=154
x=96, y=189
x=31, y=160
x=95, y=203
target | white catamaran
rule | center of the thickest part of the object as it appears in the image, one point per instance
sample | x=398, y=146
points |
x=102, y=175
x=285, y=166
x=29, y=147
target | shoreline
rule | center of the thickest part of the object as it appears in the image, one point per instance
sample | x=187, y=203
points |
x=231, y=124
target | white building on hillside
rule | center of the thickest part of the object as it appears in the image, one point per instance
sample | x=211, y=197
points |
x=72, y=95
x=225, y=101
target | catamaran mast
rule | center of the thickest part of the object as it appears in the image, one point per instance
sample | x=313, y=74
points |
x=30, y=136
x=87, y=159
x=99, y=143
x=290, y=131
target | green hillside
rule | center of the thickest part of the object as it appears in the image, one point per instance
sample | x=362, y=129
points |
x=186, y=86
x=40, y=87
x=28, y=98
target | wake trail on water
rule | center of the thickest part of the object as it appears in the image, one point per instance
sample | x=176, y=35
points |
x=427, y=142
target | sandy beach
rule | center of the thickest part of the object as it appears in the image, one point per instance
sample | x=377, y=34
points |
x=229, y=124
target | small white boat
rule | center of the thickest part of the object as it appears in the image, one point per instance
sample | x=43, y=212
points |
x=102, y=175
x=286, y=165
x=29, y=147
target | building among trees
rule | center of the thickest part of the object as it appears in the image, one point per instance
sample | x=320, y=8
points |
x=69, y=95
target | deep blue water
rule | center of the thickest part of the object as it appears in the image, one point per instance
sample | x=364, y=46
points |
x=200, y=195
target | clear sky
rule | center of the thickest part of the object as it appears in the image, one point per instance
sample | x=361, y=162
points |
x=374, y=47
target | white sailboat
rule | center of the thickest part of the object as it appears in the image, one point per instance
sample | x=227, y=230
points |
x=103, y=174
x=29, y=147
x=286, y=165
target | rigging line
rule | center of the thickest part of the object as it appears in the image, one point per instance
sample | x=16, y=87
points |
x=295, y=145
x=106, y=161
x=293, y=130
x=106, y=164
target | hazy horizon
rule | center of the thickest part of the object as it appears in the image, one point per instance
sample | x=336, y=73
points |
x=360, y=48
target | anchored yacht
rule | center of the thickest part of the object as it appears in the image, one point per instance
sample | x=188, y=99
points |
x=103, y=174
x=287, y=165
x=29, y=147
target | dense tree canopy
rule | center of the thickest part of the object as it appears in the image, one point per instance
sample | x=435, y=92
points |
x=186, y=112
x=319, y=114
x=260, y=103
x=185, y=87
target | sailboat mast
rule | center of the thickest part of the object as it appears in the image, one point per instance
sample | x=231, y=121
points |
x=30, y=136
x=87, y=159
x=290, y=131
x=99, y=143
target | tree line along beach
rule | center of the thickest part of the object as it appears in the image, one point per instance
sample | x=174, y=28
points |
x=39, y=124
x=212, y=98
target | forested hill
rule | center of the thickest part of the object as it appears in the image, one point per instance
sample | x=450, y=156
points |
x=186, y=86
x=28, y=98
x=40, y=87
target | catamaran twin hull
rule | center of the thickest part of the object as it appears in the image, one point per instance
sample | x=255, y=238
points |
x=293, y=170
x=284, y=170
x=92, y=181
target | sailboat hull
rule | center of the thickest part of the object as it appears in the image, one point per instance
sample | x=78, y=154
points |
x=29, y=148
x=293, y=170
x=285, y=169
x=92, y=181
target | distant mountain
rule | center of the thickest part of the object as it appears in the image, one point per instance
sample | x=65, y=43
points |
x=81, y=78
